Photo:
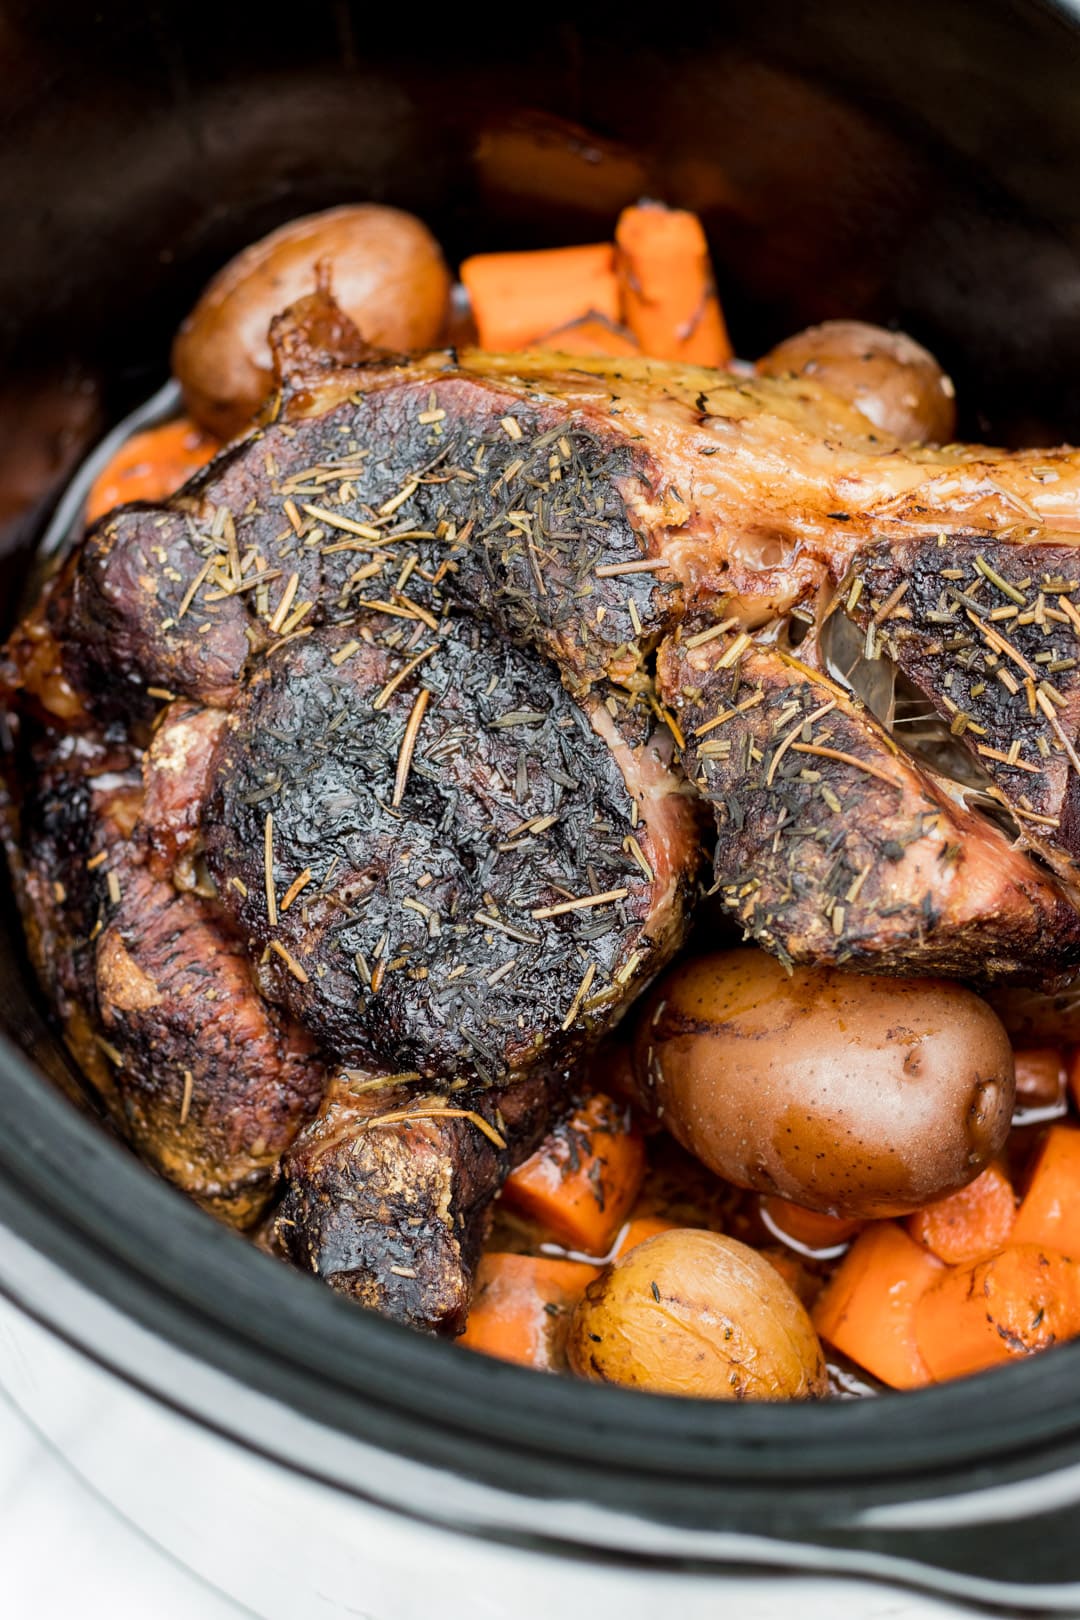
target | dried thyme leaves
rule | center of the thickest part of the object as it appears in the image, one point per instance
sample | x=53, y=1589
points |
x=989, y=632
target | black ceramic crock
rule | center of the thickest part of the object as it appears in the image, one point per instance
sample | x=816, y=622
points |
x=916, y=164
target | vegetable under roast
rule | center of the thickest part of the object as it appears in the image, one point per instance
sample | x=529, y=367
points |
x=370, y=791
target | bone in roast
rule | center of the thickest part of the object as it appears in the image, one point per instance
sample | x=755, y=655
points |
x=415, y=804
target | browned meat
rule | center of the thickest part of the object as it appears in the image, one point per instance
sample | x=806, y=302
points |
x=78, y=797
x=581, y=510
x=494, y=908
x=510, y=506
x=212, y=1085
x=836, y=847
x=374, y=828
x=989, y=632
x=394, y=1215
x=158, y=1004
x=177, y=770
x=32, y=661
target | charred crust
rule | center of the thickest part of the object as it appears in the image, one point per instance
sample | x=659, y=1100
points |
x=832, y=846
x=423, y=938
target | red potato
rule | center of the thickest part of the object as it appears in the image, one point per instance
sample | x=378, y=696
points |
x=1042, y=1077
x=891, y=379
x=850, y=1094
x=385, y=270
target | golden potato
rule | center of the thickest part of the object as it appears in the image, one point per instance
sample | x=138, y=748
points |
x=386, y=271
x=856, y=1095
x=891, y=379
x=690, y=1312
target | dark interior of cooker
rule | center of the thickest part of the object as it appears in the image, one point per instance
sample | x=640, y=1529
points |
x=907, y=164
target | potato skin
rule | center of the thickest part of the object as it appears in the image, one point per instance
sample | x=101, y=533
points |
x=386, y=271
x=894, y=381
x=856, y=1095
x=691, y=1312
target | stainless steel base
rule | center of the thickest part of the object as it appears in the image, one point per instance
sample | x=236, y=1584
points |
x=285, y=1544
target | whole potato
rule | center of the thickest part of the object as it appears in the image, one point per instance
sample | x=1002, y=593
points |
x=856, y=1095
x=693, y=1313
x=386, y=271
x=891, y=379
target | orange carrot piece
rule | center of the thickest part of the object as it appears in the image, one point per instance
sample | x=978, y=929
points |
x=592, y=334
x=150, y=466
x=1017, y=1302
x=638, y=1230
x=867, y=1308
x=807, y=1228
x=668, y=295
x=1050, y=1212
x=969, y=1224
x=1041, y=1076
x=582, y=1180
x=521, y=1308
x=517, y=297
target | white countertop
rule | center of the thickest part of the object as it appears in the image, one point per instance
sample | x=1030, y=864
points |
x=65, y=1555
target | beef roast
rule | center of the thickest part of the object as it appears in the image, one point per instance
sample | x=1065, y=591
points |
x=352, y=798
x=989, y=632
x=581, y=509
x=388, y=1193
x=445, y=858
x=834, y=845
x=158, y=1002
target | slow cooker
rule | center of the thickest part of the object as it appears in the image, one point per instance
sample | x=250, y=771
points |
x=913, y=164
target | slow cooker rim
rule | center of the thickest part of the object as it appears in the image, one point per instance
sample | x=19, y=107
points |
x=942, y=1431
x=289, y=1337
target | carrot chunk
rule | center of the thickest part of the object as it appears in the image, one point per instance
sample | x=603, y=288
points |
x=668, y=296
x=867, y=1308
x=807, y=1228
x=592, y=334
x=1050, y=1212
x=150, y=466
x=583, y=1179
x=517, y=297
x=638, y=1230
x=522, y=1306
x=969, y=1224
x=804, y=1283
x=1024, y=1299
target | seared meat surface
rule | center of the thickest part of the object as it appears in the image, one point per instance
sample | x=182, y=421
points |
x=482, y=906
x=989, y=633
x=510, y=508
x=410, y=833
x=158, y=1001
x=211, y=1083
x=78, y=798
x=582, y=510
x=836, y=847
x=394, y=1215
